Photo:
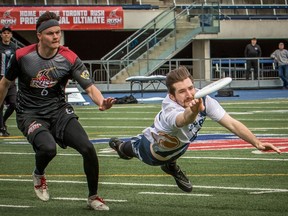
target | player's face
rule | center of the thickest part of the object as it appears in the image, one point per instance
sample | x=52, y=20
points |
x=50, y=37
x=281, y=46
x=6, y=36
x=184, y=92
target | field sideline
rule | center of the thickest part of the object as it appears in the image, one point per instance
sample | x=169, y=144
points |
x=229, y=176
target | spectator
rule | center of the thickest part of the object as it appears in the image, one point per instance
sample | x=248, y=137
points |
x=7, y=50
x=280, y=56
x=252, y=50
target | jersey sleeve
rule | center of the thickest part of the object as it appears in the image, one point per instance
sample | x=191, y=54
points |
x=171, y=114
x=81, y=74
x=170, y=111
x=213, y=109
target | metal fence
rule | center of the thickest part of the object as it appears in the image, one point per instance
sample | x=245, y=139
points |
x=215, y=68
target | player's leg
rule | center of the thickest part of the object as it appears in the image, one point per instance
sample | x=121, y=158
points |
x=45, y=150
x=281, y=71
x=140, y=147
x=249, y=65
x=124, y=149
x=76, y=137
x=181, y=179
x=255, y=66
x=285, y=76
x=44, y=145
x=11, y=105
x=3, y=131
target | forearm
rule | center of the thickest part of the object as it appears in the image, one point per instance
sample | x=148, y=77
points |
x=185, y=118
x=245, y=134
x=95, y=95
x=239, y=129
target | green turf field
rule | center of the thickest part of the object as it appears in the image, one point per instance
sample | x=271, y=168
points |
x=226, y=182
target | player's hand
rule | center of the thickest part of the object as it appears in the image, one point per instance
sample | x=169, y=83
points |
x=268, y=147
x=107, y=103
x=197, y=105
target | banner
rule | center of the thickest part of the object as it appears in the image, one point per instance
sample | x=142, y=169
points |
x=71, y=18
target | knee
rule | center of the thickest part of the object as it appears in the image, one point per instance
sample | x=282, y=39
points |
x=88, y=150
x=45, y=150
x=49, y=152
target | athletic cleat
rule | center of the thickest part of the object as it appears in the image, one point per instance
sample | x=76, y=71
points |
x=116, y=144
x=181, y=179
x=4, y=132
x=96, y=203
x=40, y=187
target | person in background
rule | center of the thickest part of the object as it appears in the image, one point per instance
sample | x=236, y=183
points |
x=177, y=125
x=7, y=50
x=252, y=50
x=280, y=56
x=42, y=113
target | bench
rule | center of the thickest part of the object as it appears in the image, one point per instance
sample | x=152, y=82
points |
x=155, y=81
x=226, y=66
x=73, y=95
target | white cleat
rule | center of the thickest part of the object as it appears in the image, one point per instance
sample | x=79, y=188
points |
x=40, y=187
x=96, y=203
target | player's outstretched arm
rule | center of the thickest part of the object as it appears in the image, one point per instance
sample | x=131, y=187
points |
x=97, y=98
x=190, y=113
x=244, y=133
x=267, y=147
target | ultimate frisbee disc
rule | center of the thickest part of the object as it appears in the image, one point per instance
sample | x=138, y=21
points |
x=212, y=87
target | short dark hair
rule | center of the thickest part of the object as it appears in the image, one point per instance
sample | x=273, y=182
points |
x=177, y=75
x=6, y=28
x=45, y=17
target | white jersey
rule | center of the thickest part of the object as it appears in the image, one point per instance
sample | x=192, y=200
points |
x=166, y=139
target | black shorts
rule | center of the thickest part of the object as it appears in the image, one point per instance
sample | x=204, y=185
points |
x=12, y=91
x=55, y=123
x=11, y=95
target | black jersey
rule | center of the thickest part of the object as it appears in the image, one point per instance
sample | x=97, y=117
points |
x=42, y=82
x=6, y=53
x=252, y=51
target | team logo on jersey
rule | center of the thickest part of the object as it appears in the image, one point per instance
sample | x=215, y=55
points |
x=85, y=74
x=33, y=126
x=69, y=110
x=43, y=80
x=165, y=140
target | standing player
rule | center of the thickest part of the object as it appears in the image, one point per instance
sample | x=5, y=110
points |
x=43, y=115
x=7, y=50
x=177, y=125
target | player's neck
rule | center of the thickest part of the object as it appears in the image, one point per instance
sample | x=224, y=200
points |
x=46, y=52
x=6, y=42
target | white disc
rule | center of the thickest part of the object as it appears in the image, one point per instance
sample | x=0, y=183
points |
x=212, y=87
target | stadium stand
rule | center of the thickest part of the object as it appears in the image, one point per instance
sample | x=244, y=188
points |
x=236, y=10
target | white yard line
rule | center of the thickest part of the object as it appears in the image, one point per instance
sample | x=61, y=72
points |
x=15, y=206
x=255, y=190
x=84, y=199
x=234, y=158
x=175, y=194
x=183, y=157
